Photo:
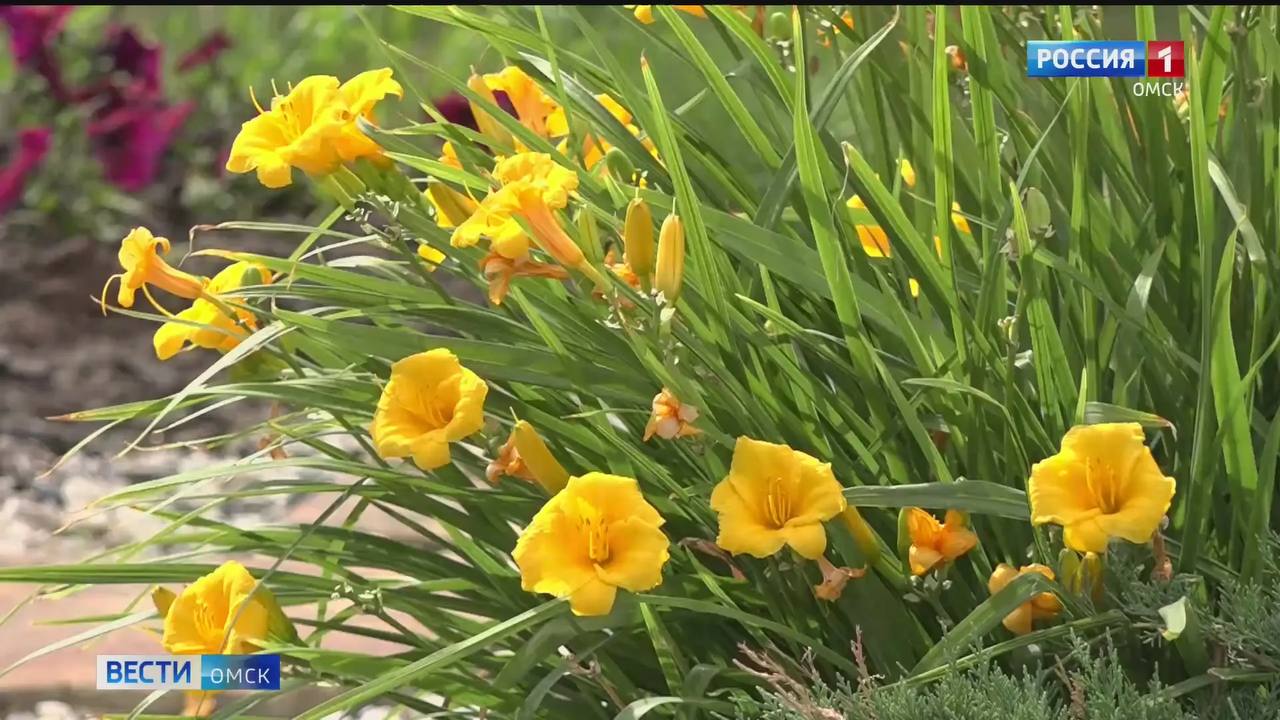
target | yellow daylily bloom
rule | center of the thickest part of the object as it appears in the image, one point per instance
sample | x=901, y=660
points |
x=297, y=132
x=775, y=496
x=430, y=401
x=219, y=614
x=531, y=102
x=532, y=187
x=671, y=418
x=208, y=324
x=934, y=543
x=907, y=172
x=593, y=537
x=360, y=95
x=313, y=128
x=1042, y=606
x=1103, y=483
x=141, y=256
x=644, y=13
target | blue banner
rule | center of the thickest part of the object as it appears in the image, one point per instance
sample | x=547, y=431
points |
x=1083, y=58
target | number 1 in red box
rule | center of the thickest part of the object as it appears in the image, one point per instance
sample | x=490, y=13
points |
x=1164, y=58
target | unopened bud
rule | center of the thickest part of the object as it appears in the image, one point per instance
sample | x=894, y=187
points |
x=546, y=470
x=589, y=236
x=863, y=536
x=669, y=275
x=779, y=26
x=452, y=207
x=488, y=126
x=637, y=240
x=619, y=165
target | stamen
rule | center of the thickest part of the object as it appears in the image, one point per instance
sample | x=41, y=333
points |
x=256, y=104
x=147, y=294
x=102, y=297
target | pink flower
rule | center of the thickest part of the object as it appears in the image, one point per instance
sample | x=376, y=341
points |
x=131, y=141
x=32, y=30
x=135, y=58
x=455, y=108
x=33, y=144
x=206, y=52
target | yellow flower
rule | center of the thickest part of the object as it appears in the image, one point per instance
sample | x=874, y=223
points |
x=298, y=131
x=596, y=535
x=495, y=219
x=141, y=257
x=1040, y=607
x=531, y=103
x=430, y=401
x=532, y=187
x=1103, y=483
x=934, y=543
x=875, y=242
x=775, y=496
x=313, y=128
x=593, y=149
x=360, y=94
x=215, y=615
x=671, y=418
x=524, y=455
x=644, y=13
x=960, y=222
x=908, y=172
x=208, y=325
x=431, y=256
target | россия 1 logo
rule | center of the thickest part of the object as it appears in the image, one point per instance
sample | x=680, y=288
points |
x=1090, y=58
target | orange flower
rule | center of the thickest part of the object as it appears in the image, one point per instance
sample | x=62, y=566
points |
x=671, y=418
x=1042, y=606
x=501, y=270
x=934, y=543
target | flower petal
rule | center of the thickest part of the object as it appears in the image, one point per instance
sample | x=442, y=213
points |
x=594, y=598
x=809, y=541
x=637, y=553
x=740, y=530
x=1058, y=491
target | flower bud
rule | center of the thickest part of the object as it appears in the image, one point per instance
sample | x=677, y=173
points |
x=863, y=536
x=908, y=172
x=619, y=165
x=544, y=467
x=637, y=239
x=669, y=275
x=589, y=236
x=162, y=598
x=452, y=207
x=779, y=26
x=489, y=127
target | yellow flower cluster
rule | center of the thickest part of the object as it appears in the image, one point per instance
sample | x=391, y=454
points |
x=313, y=128
x=212, y=321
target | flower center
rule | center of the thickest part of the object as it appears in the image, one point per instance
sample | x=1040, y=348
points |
x=777, y=504
x=1105, y=485
x=594, y=531
x=208, y=625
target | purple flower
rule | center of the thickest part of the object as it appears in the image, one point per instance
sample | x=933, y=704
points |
x=456, y=109
x=206, y=52
x=32, y=30
x=131, y=140
x=135, y=58
x=33, y=144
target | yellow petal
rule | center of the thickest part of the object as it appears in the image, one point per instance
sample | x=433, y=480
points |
x=637, y=552
x=808, y=540
x=594, y=598
x=617, y=497
x=1019, y=621
x=957, y=542
x=1058, y=491
x=1085, y=536
x=740, y=530
x=923, y=559
x=1000, y=577
x=362, y=92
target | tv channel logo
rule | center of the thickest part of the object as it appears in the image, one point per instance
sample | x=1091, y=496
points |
x=1089, y=58
x=188, y=672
